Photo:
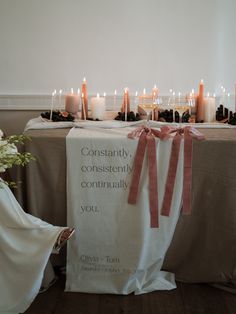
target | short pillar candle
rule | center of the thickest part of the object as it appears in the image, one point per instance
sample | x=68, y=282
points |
x=72, y=102
x=98, y=107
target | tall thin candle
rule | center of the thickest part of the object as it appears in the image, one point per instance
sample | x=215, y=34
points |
x=126, y=103
x=52, y=105
x=200, y=103
x=114, y=100
x=83, y=117
x=60, y=93
x=235, y=97
x=85, y=99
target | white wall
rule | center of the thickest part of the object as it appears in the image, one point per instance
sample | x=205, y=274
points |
x=47, y=44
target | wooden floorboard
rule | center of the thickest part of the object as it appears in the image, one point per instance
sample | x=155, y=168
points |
x=163, y=302
x=202, y=299
x=230, y=301
x=186, y=299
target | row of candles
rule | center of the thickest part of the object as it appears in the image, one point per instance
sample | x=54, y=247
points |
x=206, y=106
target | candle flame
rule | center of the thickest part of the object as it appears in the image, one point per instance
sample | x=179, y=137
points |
x=201, y=82
x=192, y=91
x=55, y=91
x=115, y=92
x=60, y=91
x=208, y=94
x=144, y=91
x=228, y=94
x=136, y=93
x=82, y=95
x=155, y=86
x=78, y=91
x=171, y=91
x=72, y=90
x=104, y=94
x=84, y=80
x=98, y=95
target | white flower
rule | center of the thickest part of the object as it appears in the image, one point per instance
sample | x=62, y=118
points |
x=9, y=155
x=7, y=148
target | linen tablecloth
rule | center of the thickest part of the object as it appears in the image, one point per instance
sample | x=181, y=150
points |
x=203, y=247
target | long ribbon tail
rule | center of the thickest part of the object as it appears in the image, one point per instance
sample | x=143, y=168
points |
x=187, y=184
x=170, y=182
x=138, y=162
x=153, y=191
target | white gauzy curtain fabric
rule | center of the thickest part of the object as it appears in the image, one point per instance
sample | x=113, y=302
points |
x=26, y=243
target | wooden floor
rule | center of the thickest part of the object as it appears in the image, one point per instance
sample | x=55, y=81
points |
x=186, y=299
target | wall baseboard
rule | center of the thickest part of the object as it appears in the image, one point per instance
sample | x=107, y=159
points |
x=24, y=102
x=43, y=102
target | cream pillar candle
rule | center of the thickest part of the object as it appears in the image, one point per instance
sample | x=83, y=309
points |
x=209, y=104
x=72, y=102
x=98, y=107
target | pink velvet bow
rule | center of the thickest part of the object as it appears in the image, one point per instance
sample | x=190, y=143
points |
x=147, y=138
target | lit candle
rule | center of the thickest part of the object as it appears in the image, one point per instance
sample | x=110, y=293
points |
x=135, y=102
x=173, y=96
x=228, y=101
x=154, y=92
x=114, y=100
x=60, y=93
x=52, y=105
x=200, y=103
x=169, y=98
x=126, y=103
x=234, y=97
x=209, y=104
x=179, y=98
x=193, y=108
x=85, y=99
x=98, y=107
x=144, y=95
x=83, y=113
x=72, y=102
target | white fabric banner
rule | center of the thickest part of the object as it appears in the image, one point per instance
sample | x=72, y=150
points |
x=115, y=250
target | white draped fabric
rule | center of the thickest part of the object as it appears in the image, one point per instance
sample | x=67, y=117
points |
x=40, y=123
x=25, y=245
x=116, y=251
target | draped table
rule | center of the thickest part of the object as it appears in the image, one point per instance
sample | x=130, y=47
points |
x=203, y=247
